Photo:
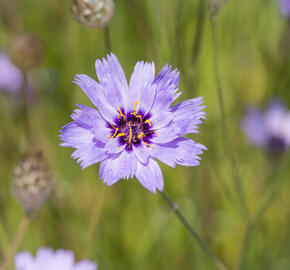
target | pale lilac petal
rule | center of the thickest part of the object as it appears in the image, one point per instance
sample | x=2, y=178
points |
x=113, y=146
x=140, y=88
x=186, y=116
x=142, y=153
x=63, y=259
x=150, y=175
x=110, y=72
x=97, y=94
x=167, y=78
x=254, y=127
x=24, y=261
x=89, y=154
x=181, y=151
x=11, y=77
x=284, y=6
x=122, y=166
x=85, y=265
x=74, y=135
x=91, y=119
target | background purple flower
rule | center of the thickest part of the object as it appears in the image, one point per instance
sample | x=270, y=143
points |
x=269, y=129
x=284, y=6
x=47, y=259
x=10, y=76
x=134, y=124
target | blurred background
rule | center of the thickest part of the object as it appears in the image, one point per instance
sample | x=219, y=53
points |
x=124, y=226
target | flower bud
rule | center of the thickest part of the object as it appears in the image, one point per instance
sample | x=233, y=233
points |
x=93, y=13
x=26, y=51
x=214, y=7
x=31, y=182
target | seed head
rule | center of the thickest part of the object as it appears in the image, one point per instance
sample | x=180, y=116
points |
x=31, y=182
x=26, y=51
x=93, y=13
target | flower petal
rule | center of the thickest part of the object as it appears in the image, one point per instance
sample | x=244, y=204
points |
x=140, y=88
x=181, y=151
x=167, y=78
x=24, y=261
x=74, y=135
x=150, y=175
x=186, y=116
x=97, y=94
x=142, y=153
x=254, y=127
x=91, y=119
x=116, y=167
x=85, y=265
x=112, y=72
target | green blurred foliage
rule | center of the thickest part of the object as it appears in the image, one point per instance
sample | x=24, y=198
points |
x=124, y=226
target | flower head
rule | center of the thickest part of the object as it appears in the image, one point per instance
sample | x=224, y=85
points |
x=51, y=260
x=133, y=124
x=93, y=13
x=284, y=6
x=31, y=182
x=10, y=76
x=270, y=129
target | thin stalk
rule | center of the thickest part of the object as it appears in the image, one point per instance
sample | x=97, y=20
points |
x=22, y=229
x=192, y=232
x=107, y=38
x=197, y=42
x=252, y=222
x=25, y=109
x=227, y=143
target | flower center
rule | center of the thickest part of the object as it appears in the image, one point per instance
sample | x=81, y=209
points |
x=133, y=128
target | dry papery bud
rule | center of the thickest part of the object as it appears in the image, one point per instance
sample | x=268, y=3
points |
x=26, y=51
x=214, y=7
x=93, y=13
x=31, y=182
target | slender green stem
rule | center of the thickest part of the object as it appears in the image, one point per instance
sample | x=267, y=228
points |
x=25, y=110
x=107, y=38
x=192, y=232
x=225, y=133
x=252, y=222
x=22, y=229
x=198, y=32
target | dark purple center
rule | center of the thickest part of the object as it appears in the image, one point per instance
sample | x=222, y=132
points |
x=277, y=144
x=133, y=128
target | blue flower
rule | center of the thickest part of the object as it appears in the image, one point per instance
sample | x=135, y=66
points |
x=284, y=6
x=271, y=129
x=47, y=259
x=134, y=124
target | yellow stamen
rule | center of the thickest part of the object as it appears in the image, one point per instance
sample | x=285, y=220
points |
x=148, y=122
x=140, y=136
x=139, y=116
x=135, y=106
x=120, y=113
x=112, y=136
x=155, y=132
x=149, y=145
x=130, y=135
x=120, y=135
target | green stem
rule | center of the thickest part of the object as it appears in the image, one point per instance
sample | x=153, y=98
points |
x=192, y=232
x=252, y=222
x=22, y=229
x=225, y=132
x=107, y=38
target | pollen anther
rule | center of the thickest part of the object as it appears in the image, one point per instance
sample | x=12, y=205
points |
x=120, y=113
x=148, y=122
x=140, y=135
x=135, y=106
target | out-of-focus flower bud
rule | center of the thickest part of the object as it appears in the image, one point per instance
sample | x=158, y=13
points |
x=26, y=51
x=93, y=13
x=31, y=182
x=214, y=7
